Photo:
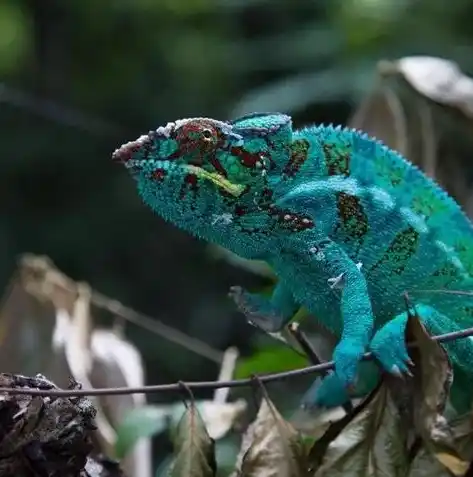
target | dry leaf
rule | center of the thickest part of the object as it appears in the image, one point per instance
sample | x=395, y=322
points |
x=382, y=115
x=271, y=447
x=194, y=453
x=438, y=79
x=424, y=466
x=118, y=363
x=423, y=107
x=369, y=442
x=219, y=418
x=431, y=386
x=26, y=324
x=462, y=428
x=432, y=376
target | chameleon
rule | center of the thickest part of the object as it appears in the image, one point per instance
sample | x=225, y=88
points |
x=347, y=224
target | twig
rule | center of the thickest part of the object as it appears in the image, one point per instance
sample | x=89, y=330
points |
x=41, y=272
x=57, y=112
x=151, y=324
x=319, y=368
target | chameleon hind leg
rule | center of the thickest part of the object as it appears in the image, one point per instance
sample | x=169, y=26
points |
x=334, y=393
x=389, y=347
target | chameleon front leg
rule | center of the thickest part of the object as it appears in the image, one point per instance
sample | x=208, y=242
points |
x=321, y=257
x=309, y=257
x=271, y=314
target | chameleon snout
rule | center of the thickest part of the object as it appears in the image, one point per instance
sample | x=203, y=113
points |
x=126, y=151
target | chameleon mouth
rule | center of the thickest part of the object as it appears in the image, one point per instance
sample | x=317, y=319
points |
x=234, y=189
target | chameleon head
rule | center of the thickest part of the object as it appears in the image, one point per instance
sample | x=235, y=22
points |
x=195, y=171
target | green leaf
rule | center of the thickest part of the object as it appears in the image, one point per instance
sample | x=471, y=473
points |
x=138, y=423
x=194, y=452
x=270, y=359
x=15, y=36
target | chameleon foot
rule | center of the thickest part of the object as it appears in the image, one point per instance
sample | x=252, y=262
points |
x=331, y=392
x=389, y=347
x=335, y=388
x=347, y=356
x=257, y=310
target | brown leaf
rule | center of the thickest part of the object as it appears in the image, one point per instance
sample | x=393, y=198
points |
x=432, y=372
x=271, y=447
x=382, y=115
x=462, y=428
x=422, y=107
x=424, y=465
x=437, y=79
x=194, y=449
x=431, y=386
x=369, y=442
x=315, y=422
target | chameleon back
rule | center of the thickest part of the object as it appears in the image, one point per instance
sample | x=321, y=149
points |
x=324, y=153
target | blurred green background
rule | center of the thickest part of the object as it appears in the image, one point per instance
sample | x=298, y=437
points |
x=78, y=78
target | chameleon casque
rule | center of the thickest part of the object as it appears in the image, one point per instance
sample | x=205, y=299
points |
x=347, y=225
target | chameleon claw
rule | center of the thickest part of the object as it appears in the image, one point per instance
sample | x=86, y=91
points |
x=396, y=371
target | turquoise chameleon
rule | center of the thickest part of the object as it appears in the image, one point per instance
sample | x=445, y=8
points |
x=346, y=224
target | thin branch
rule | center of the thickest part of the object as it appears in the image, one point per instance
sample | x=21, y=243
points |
x=39, y=275
x=158, y=327
x=57, y=112
x=177, y=387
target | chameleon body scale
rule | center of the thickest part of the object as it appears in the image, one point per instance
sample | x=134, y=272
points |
x=347, y=225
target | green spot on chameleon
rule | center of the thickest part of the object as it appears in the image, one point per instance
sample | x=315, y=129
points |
x=401, y=249
x=428, y=204
x=337, y=159
x=353, y=219
x=387, y=172
x=464, y=250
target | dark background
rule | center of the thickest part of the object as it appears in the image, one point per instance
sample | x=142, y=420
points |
x=78, y=78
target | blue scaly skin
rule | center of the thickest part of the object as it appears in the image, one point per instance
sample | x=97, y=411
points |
x=347, y=225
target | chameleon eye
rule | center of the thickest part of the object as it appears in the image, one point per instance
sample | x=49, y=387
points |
x=207, y=134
